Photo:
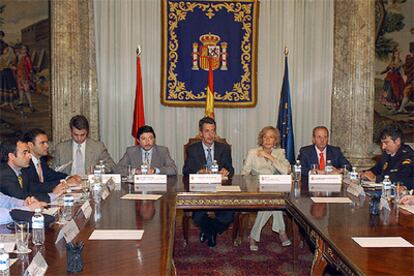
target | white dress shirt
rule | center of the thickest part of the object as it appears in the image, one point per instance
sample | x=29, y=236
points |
x=6, y=204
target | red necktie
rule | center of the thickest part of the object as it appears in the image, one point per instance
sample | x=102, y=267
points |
x=321, y=161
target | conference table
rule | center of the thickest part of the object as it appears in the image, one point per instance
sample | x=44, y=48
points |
x=330, y=227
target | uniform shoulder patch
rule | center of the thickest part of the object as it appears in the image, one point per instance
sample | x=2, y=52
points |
x=406, y=161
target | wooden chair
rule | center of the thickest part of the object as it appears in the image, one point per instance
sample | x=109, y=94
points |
x=239, y=218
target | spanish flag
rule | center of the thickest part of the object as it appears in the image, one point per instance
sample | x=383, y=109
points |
x=210, y=92
x=139, y=118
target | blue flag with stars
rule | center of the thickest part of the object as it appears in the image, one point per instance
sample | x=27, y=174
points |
x=284, y=120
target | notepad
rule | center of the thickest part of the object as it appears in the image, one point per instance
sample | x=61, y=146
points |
x=220, y=188
x=116, y=235
x=409, y=208
x=140, y=197
x=382, y=242
x=331, y=200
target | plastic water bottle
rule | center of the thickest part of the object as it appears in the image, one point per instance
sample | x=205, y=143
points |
x=97, y=192
x=386, y=187
x=68, y=202
x=38, y=227
x=297, y=170
x=214, y=167
x=4, y=261
x=328, y=167
x=102, y=167
x=353, y=175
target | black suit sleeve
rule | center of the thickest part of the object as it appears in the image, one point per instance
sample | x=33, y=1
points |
x=192, y=164
x=225, y=160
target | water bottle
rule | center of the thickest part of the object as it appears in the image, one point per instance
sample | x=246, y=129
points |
x=102, y=167
x=353, y=175
x=68, y=202
x=214, y=167
x=97, y=192
x=297, y=170
x=386, y=187
x=328, y=167
x=4, y=261
x=38, y=227
x=97, y=173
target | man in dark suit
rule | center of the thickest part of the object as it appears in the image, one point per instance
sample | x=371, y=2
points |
x=320, y=152
x=397, y=160
x=43, y=178
x=14, y=182
x=199, y=155
x=157, y=157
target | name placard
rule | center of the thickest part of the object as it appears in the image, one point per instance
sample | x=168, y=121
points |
x=325, y=187
x=202, y=188
x=38, y=266
x=280, y=179
x=116, y=178
x=325, y=178
x=205, y=178
x=150, y=179
x=69, y=232
x=150, y=187
x=274, y=188
x=86, y=209
x=355, y=190
x=105, y=193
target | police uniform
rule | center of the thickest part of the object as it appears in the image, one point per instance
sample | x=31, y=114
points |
x=399, y=167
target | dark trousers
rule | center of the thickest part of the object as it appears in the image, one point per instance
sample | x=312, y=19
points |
x=219, y=224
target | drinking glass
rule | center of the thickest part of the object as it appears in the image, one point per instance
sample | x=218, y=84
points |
x=22, y=237
x=61, y=217
x=314, y=169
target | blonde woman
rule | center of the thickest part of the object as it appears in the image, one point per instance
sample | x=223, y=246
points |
x=268, y=158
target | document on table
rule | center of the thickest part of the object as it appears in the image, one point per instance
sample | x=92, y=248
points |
x=409, y=208
x=9, y=241
x=331, y=200
x=51, y=211
x=382, y=242
x=116, y=235
x=141, y=197
x=220, y=188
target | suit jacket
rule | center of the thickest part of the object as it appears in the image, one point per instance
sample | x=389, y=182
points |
x=160, y=159
x=9, y=185
x=51, y=178
x=309, y=156
x=399, y=167
x=196, y=158
x=94, y=151
x=256, y=165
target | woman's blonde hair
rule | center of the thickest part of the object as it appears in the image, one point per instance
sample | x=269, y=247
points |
x=263, y=132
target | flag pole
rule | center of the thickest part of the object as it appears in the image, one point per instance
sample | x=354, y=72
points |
x=286, y=51
x=139, y=117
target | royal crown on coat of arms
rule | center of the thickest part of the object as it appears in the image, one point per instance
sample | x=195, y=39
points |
x=209, y=50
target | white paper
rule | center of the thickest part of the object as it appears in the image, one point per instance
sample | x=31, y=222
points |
x=355, y=190
x=409, y=208
x=12, y=261
x=150, y=179
x=51, y=211
x=38, y=266
x=285, y=179
x=202, y=187
x=331, y=200
x=205, y=178
x=325, y=187
x=220, y=188
x=116, y=235
x=68, y=231
x=141, y=197
x=274, y=188
x=9, y=241
x=105, y=194
x=382, y=242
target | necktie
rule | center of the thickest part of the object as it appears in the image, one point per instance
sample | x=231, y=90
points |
x=146, y=161
x=209, y=158
x=321, y=161
x=20, y=179
x=80, y=167
x=40, y=172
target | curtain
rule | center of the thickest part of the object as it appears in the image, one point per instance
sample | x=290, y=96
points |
x=304, y=26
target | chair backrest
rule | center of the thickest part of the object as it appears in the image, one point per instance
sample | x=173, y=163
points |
x=197, y=138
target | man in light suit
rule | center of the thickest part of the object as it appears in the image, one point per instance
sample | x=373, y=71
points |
x=81, y=153
x=157, y=157
x=320, y=152
x=43, y=178
x=199, y=155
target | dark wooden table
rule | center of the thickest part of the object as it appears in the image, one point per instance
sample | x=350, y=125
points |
x=329, y=226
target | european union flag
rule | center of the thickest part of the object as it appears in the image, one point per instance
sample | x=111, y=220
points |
x=284, y=120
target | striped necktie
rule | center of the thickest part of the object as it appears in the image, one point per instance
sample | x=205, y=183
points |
x=20, y=179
